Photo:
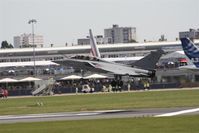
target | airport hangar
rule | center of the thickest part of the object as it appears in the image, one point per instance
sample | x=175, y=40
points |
x=14, y=56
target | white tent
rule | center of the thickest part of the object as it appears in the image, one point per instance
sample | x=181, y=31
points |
x=95, y=76
x=8, y=80
x=71, y=77
x=30, y=79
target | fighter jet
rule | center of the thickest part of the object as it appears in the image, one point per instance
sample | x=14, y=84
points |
x=141, y=68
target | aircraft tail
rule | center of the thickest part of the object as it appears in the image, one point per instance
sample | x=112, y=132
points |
x=190, y=50
x=94, y=49
x=149, y=62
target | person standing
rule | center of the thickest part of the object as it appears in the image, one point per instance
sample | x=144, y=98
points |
x=5, y=93
x=129, y=85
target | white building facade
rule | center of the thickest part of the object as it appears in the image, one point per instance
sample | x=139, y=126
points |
x=26, y=40
x=118, y=34
x=86, y=41
x=83, y=41
x=192, y=33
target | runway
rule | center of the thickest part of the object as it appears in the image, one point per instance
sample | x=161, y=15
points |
x=163, y=112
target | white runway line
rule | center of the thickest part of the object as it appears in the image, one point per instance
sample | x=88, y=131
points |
x=49, y=115
x=108, y=111
x=31, y=116
x=178, y=112
x=87, y=114
x=99, y=112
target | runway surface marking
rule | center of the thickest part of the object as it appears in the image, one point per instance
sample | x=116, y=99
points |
x=45, y=116
x=83, y=115
x=48, y=115
x=178, y=112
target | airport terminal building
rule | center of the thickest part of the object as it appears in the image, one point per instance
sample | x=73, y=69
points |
x=107, y=51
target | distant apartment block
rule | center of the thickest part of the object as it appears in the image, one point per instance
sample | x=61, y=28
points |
x=86, y=41
x=26, y=40
x=113, y=35
x=99, y=39
x=192, y=33
x=83, y=41
x=118, y=34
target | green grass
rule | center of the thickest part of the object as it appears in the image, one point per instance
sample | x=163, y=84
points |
x=184, y=124
x=88, y=102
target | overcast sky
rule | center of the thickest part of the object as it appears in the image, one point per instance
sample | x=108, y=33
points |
x=61, y=21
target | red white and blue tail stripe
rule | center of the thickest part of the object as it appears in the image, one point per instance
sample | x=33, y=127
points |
x=94, y=49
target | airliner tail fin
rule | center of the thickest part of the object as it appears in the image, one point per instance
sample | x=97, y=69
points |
x=94, y=49
x=190, y=50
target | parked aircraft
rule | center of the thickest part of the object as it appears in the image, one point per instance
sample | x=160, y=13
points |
x=141, y=68
x=192, y=52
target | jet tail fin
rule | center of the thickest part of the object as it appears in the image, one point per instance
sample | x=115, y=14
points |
x=149, y=62
x=190, y=50
x=94, y=49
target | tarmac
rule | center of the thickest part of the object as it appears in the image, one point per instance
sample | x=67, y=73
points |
x=102, y=114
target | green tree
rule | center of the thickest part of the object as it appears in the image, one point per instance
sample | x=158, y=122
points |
x=133, y=41
x=4, y=44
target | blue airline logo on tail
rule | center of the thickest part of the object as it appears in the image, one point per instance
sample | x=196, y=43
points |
x=191, y=50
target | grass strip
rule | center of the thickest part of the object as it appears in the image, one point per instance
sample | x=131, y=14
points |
x=90, y=102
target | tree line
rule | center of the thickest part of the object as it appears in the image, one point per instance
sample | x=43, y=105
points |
x=5, y=44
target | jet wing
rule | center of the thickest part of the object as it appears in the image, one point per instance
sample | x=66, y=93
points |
x=78, y=64
x=119, y=69
x=103, y=66
x=71, y=63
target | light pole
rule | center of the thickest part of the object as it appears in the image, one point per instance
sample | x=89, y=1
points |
x=33, y=21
